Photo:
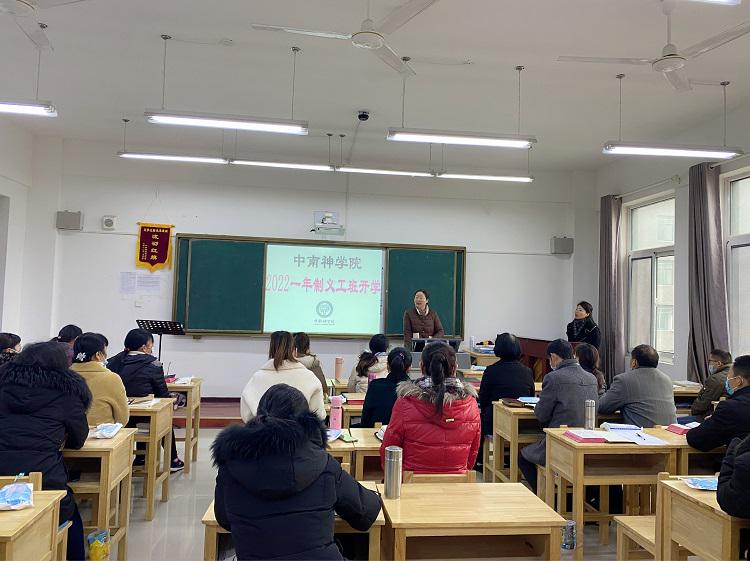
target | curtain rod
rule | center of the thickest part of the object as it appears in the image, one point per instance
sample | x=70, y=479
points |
x=729, y=161
x=673, y=179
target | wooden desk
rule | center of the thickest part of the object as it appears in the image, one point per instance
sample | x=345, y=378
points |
x=683, y=394
x=537, y=388
x=514, y=428
x=367, y=446
x=482, y=359
x=338, y=386
x=158, y=450
x=685, y=452
x=694, y=520
x=31, y=533
x=109, y=487
x=192, y=392
x=348, y=411
x=212, y=531
x=342, y=451
x=584, y=464
x=450, y=510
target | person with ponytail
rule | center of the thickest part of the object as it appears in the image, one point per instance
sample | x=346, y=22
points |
x=381, y=393
x=436, y=418
x=278, y=490
x=67, y=336
x=110, y=403
x=371, y=364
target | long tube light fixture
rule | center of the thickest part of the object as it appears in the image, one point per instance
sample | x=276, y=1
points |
x=678, y=150
x=475, y=177
x=36, y=108
x=460, y=138
x=375, y=171
x=172, y=158
x=230, y=122
x=283, y=165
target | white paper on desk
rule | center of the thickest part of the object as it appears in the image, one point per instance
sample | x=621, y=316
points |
x=183, y=381
x=145, y=403
x=641, y=438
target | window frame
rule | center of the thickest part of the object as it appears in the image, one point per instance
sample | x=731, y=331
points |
x=654, y=254
x=731, y=242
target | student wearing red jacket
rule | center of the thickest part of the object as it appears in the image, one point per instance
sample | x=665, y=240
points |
x=436, y=418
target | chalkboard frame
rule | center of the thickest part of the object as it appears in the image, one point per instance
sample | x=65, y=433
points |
x=460, y=283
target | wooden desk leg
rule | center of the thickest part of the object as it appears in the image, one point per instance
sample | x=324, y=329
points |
x=603, y=509
x=167, y=462
x=399, y=544
x=151, y=465
x=373, y=545
x=347, y=420
x=623, y=545
x=123, y=517
x=514, y=471
x=196, y=428
x=553, y=544
x=188, y=431
x=210, y=544
x=359, y=467
x=578, y=500
x=730, y=543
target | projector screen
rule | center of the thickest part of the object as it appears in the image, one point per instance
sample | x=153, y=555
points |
x=323, y=290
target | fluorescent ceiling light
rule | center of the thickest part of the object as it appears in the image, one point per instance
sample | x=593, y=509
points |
x=284, y=165
x=346, y=169
x=510, y=178
x=232, y=122
x=725, y=2
x=461, y=138
x=172, y=158
x=37, y=108
x=679, y=150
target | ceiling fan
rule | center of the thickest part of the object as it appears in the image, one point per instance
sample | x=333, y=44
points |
x=370, y=36
x=25, y=14
x=671, y=63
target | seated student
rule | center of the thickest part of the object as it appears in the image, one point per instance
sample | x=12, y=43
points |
x=278, y=490
x=644, y=395
x=10, y=346
x=67, y=337
x=110, y=403
x=381, y=393
x=732, y=416
x=309, y=360
x=435, y=419
x=370, y=364
x=282, y=368
x=564, y=391
x=719, y=363
x=142, y=375
x=43, y=410
x=588, y=358
x=733, y=493
x=506, y=378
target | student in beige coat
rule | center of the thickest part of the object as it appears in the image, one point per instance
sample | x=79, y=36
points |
x=309, y=360
x=372, y=363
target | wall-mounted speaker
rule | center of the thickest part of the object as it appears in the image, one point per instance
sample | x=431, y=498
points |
x=561, y=246
x=66, y=220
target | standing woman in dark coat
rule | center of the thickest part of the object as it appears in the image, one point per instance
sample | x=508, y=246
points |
x=278, y=490
x=583, y=328
x=43, y=410
x=506, y=378
x=381, y=392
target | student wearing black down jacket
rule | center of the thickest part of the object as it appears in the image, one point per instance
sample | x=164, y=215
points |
x=278, y=490
x=734, y=486
x=381, y=392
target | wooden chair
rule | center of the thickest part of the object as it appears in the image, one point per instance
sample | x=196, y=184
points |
x=470, y=476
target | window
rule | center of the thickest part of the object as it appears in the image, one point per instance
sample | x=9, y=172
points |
x=738, y=258
x=651, y=277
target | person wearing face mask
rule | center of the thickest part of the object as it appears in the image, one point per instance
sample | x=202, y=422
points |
x=644, y=395
x=561, y=402
x=109, y=403
x=732, y=416
x=719, y=364
x=421, y=320
x=583, y=328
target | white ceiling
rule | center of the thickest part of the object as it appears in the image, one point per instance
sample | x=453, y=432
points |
x=107, y=64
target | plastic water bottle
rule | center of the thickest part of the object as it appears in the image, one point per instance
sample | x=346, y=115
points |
x=394, y=457
x=569, y=535
x=334, y=421
x=472, y=343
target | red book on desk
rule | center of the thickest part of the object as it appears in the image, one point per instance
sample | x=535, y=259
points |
x=580, y=436
x=354, y=398
x=678, y=428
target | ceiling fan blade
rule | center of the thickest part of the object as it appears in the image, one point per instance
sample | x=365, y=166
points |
x=679, y=80
x=388, y=56
x=440, y=61
x=398, y=17
x=7, y=6
x=717, y=40
x=715, y=83
x=312, y=33
x=44, y=4
x=604, y=60
x=30, y=26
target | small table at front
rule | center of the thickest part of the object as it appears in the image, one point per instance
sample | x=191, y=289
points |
x=192, y=392
x=31, y=533
x=367, y=446
x=594, y=464
x=694, y=520
x=112, y=480
x=212, y=531
x=450, y=510
x=158, y=449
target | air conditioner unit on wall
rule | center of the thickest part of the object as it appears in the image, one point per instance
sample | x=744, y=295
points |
x=561, y=246
x=67, y=220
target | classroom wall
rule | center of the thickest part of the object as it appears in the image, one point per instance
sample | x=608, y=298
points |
x=73, y=277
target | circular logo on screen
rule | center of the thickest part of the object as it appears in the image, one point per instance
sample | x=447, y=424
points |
x=324, y=308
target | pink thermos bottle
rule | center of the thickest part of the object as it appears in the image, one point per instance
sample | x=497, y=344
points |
x=337, y=403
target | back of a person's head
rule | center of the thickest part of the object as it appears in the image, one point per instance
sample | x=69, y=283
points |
x=725, y=357
x=561, y=348
x=646, y=356
x=741, y=367
x=9, y=341
x=69, y=333
x=87, y=345
x=439, y=363
x=281, y=348
x=588, y=357
x=302, y=343
x=508, y=347
x=282, y=401
x=399, y=363
x=378, y=343
x=136, y=338
x=48, y=356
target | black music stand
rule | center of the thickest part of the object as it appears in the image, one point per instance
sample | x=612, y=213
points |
x=159, y=327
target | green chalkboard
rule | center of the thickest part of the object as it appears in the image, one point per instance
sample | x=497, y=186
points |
x=224, y=288
x=438, y=271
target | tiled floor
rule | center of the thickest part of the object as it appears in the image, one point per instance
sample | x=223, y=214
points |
x=177, y=533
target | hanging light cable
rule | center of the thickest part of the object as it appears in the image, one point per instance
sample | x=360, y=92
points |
x=35, y=108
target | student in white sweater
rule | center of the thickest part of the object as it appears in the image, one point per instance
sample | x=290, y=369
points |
x=282, y=368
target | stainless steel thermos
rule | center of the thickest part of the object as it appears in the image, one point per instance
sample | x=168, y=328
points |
x=394, y=458
x=589, y=419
